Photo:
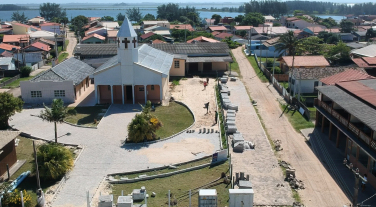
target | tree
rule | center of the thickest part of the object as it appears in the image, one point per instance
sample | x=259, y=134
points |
x=9, y=105
x=339, y=53
x=298, y=12
x=51, y=10
x=17, y=16
x=216, y=18
x=328, y=38
x=253, y=19
x=310, y=45
x=276, y=24
x=239, y=18
x=25, y=71
x=54, y=161
x=346, y=26
x=328, y=22
x=120, y=17
x=144, y=125
x=287, y=42
x=56, y=114
x=134, y=14
x=370, y=33
x=107, y=18
x=149, y=17
x=231, y=44
x=77, y=24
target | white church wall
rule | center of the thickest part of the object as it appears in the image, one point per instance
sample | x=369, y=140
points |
x=111, y=76
x=145, y=76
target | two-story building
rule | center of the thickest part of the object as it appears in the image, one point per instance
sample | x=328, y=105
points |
x=346, y=112
x=51, y=27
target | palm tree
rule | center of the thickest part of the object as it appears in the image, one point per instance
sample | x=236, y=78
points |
x=56, y=114
x=288, y=42
x=54, y=160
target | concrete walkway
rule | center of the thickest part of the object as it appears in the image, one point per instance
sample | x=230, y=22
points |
x=260, y=164
x=103, y=149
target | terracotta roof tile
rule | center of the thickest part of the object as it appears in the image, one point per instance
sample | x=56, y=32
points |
x=112, y=33
x=6, y=54
x=157, y=41
x=41, y=46
x=94, y=35
x=243, y=27
x=223, y=35
x=8, y=47
x=370, y=60
x=147, y=35
x=306, y=61
x=15, y=38
x=92, y=29
x=347, y=75
x=182, y=27
x=218, y=28
x=215, y=33
x=360, y=90
x=202, y=39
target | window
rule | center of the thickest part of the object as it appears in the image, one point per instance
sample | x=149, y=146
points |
x=59, y=93
x=177, y=64
x=363, y=157
x=36, y=94
x=141, y=88
x=152, y=87
x=354, y=149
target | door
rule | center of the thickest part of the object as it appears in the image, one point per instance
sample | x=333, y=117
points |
x=129, y=93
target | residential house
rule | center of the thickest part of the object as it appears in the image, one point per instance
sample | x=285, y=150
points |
x=112, y=36
x=202, y=39
x=241, y=28
x=102, y=31
x=305, y=80
x=346, y=37
x=208, y=22
x=350, y=16
x=31, y=58
x=367, y=17
x=132, y=76
x=67, y=80
x=23, y=29
x=227, y=20
x=163, y=23
x=347, y=75
x=265, y=48
x=109, y=25
x=47, y=42
x=346, y=114
x=270, y=19
x=91, y=24
x=17, y=40
x=36, y=21
x=269, y=31
x=286, y=62
x=222, y=36
x=157, y=41
x=182, y=27
x=7, y=63
x=356, y=22
x=39, y=47
x=146, y=36
x=356, y=45
x=43, y=34
x=163, y=31
x=94, y=51
x=296, y=23
x=8, y=155
x=8, y=47
x=218, y=29
x=6, y=29
x=368, y=63
x=360, y=35
x=6, y=54
x=93, y=39
x=91, y=19
x=314, y=30
x=368, y=51
x=198, y=58
x=51, y=27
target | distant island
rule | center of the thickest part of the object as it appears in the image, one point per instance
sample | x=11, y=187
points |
x=12, y=7
x=121, y=4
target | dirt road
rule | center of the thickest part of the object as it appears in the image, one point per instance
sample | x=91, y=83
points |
x=72, y=43
x=321, y=190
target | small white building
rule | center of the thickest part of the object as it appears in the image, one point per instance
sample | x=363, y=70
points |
x=136, y=74
x=66, y=80
x=7, y=63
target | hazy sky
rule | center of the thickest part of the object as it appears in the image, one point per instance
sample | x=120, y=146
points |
x=157, y=1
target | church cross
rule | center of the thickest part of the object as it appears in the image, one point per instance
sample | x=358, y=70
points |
x=134, y=41
x=118, y=41
x=126, y=41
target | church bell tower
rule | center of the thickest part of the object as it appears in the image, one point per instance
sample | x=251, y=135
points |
x=127, y=44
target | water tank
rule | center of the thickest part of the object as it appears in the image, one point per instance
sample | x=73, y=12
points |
x=241, y=198
x=105, y=200
x=124, y=201
x=207, y=198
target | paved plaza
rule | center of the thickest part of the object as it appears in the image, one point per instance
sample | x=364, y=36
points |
x=104, y=152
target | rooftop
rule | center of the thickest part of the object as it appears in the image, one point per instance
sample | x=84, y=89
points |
x=306, y=61
x=7, y=136
x=157, y=41
x=218, y=28
x=197, y=49
x=347, y=75
x=95, y=49
x=155, y=59
x=368, y=51
x=42, y=33
x=202, y=39
x=155, y=22
x=271, y=42
x=182, y=26
x=15, y=38
x=92, y=29
x=70, y=69
x=49, y=24
x=46, y=41
x=112, y=33
x=270, y=30
x=5, y=60
x=318, y=73
x=223, y=35
x=8, y=47
x=6, y=54
x=242, y=27
x=95, y=36
x=147, y=35
x=40, y=46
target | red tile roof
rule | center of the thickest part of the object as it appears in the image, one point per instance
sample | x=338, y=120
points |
x=223, y=35
x=370, y=60
x=202, y=39
x=24, y=25
x=359, y=90
x=16, y=38
x=93, y=18
x=242, y=27
x=112, y=33
x=157, y=41
x=291, y=19
x=182, y=26
x=8, y=47
x=306, y=61
x=95, y=36
x=40, y=46
x=6, y=54
x=348, y=75
x=45, y=41
x=215, y=33
x=218, y=28
x=92, y=29
x=147, y=35
x=361, y=62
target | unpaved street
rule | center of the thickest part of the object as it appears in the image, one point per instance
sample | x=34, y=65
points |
x=72, y=43
x=321, y=190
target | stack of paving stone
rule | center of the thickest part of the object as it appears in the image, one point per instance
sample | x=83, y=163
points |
x=230, y=122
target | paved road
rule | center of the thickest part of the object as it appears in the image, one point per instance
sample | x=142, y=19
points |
x=260, y=164
x=321, y=189
x=103, y=152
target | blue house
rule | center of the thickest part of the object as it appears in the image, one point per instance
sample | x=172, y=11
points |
x=264, y=48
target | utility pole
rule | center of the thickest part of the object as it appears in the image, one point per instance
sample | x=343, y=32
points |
x=40, y=194
x=273, y=68
x=357, y=178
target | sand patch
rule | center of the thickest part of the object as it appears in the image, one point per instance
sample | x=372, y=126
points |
x=179, y=151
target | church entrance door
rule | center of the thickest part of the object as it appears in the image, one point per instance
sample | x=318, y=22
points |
x=128, y=95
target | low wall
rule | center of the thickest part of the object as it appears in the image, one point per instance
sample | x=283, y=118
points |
x=10, y=80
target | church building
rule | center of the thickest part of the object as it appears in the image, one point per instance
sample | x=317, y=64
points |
x=135, y=75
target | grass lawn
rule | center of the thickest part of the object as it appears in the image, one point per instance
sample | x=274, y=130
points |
x=259, y=73
x=60, y=48
x=16, y=83
x=166, y=170
x=25, y=152
x=296, y=119
x=313, y=113
x=179, y=185
x=234, y=65
x=62, y=57
x=86, y=115
x=174, y=118
x=5, y=79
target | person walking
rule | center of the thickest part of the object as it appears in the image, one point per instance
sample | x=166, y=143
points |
x=207, y=107
x=364, y=182
x=216, y=117
x=205, y=84
x=207, y=80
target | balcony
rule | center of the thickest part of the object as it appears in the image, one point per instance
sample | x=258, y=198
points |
x=353, y=127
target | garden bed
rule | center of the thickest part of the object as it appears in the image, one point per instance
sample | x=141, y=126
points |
x=87, y=116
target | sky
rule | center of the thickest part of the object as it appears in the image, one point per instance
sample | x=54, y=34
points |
x=154, y=1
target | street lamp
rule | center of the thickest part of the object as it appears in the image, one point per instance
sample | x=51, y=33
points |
x=357, y=178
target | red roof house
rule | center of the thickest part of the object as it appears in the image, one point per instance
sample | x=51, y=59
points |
x=37, y=46
x=348, y=75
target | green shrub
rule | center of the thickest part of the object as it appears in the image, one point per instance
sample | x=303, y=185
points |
x=175, y=82
x=72, y=112
x=13, y=199
x=25, y=71
x=54, y=161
